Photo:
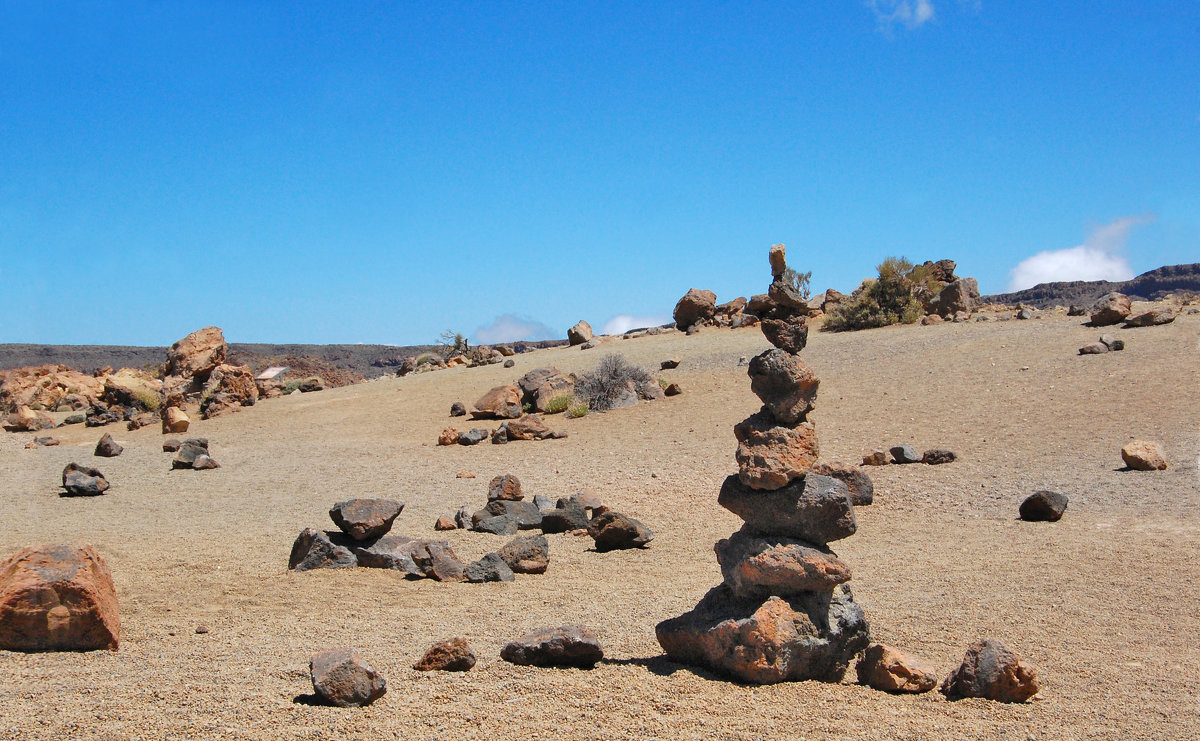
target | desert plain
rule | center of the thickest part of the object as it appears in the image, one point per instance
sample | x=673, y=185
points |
x=1105, y=602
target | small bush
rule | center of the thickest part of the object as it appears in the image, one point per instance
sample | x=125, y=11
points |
x=883, y=301
x=426, y=358
x=578, y=409
x=558, y=404
x=604, y=386
x=291, y=386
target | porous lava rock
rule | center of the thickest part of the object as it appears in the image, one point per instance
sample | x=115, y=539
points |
x=814, y=508
x=889, y=669
x=989, y=670
x=565, y=646
x=452, y=655
x=614, y=531
x=341, y=677
x=58, y=598
x=770, y=455
x=527, y=554
x=363, y=519
x=314, y=550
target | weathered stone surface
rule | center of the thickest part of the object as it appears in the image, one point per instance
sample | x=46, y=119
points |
x=905, y=454
x=888, y=669
x=615, y=531
x=770, y=455
x=956, y=296
x=672, y=389
x=527, y=554
x=229, y=388
x=1109, y=309
x=489, y=568
x=172, y=445
x=314, y=550
x=58, y=598
x=930, y=319
x=458, y=409
x=197, y=354
x=1094, y=348
x=814, y=508
x=497, y=525
x=757, y=566
x=669, y=363
x=448, y=436
x=175, y=420
x=46, y=441
x=502, y=402
x=991, y=671
x=786, y=385
x=696, y=306
x=340, y=677
x=938, y=456
x=453, y=655
x=580, y=333
x=443, y=563
x=1112, y=342
x=858, y=483
x=565, y=646
x=527, y=514
x=28, y=420
x=1151, y=318
x=362, y=519
x=107, y=447
x=445, y=522
x=54, y=387
x=191, y=449
x=1144, y=455
x=875, y=458
x=567, y=515
x=789, y=335
x=505, y=486
x=311, y=384
x=650, y=391
x=1043, y=506
x=473, y=436
x=462, y=517
x=394, y=552
x=204, y=462
x=83, y=481
x=809, y=636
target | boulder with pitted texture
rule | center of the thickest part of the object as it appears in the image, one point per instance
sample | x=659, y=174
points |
x=58, y=598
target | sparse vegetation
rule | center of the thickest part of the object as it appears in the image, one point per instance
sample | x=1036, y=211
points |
x=603, y=387
x=578, y=409
x=888, y=299
x=558, y=404
x=425, y=358
x=452, y=343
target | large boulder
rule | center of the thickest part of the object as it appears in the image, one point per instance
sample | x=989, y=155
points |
x=757, y=566
x=28, y=420
x=580, y=333
x=785, y=383
x=888, y=669
x=83, y=481
x=340, y=677
x=197, y=355
x=363, y=519
x=58, y=598
x=314, y=550
x=614, y=531
x=1151, y=318
x=1109, y=309
x=696, y=307
x=770, y=455
x=813, y=508
x=991, y=671
x=565, y=646
x=809, y=636
x=229, y=387
x=502, y=402
x=956, y=296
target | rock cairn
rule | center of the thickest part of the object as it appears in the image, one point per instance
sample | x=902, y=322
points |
x=784, y=611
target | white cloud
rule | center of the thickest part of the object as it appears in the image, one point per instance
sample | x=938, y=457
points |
x=1100, y=257
x=908, y=13
x=622, y=323
x=511, y=328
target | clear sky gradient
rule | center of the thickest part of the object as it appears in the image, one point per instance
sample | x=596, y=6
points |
x=379, y=172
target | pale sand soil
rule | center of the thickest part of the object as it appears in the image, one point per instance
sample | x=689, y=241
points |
x=1106, y=602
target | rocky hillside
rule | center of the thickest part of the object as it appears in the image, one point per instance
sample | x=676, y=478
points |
x=1149, y=286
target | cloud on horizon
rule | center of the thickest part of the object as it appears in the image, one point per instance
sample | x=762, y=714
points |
x=622, y=323
x=1100, y=257
x=911, y=14
x=512, y=328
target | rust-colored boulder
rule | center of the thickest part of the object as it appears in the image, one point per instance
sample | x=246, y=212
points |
x=566, y=646
x=58, y=598
x=812, y=508
x=505, y=486
x=770, y=455
x=1144, y=455
x=858, y=483
x=453, y=655
x=809, y=636
x=449, y=436
x=197, y=354
x=696, y=307
x=502, y=402
x=580, y=333
x=991, y=671
x=340, y=677
x=785, y=383
x=363, y=519
x=1151, y=318
x=526, y=554
x=229, y=387
x=28, y=420
x=175, y=421
x=888, y=669
x=757, y=566
x=1109, y=309
x=445, y=522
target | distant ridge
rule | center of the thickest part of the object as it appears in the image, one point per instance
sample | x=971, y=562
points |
x=1149, y=286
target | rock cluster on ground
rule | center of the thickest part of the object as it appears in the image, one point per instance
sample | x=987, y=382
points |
x=58, y=598
x=783, y=611
x=1106, y=343
x=192, y=453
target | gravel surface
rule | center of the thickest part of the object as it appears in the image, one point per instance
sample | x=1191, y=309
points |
x=1106, y=602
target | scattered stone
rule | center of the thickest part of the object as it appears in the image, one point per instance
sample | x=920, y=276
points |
x=1151, y=318
x=186, y=456
x=905, y=454
x=108, y=447
x=509, y=363
x=567, y=515
x=1109, y=309
x=580, y=333
x=445, y=523
x=311, y=384
x=528, y=516
x=1112, y=343
x=589, y=345
x=543, y=502
x=363, y=519
x=669, y=363
x=785, y=383
x=566, y=646
x=1077, y=310
x=758, y=566
x=58, y=598
x=991, y=671
x=813, y=508
x=394, y=552
x=529, y=427
x=527, y=554
x=875, y=458
x=858, y=483
x=174, y=420
x=83, y=481
x=28, y=420
x=672, y=389
x=47, y=442
x=770, y=455
x=1024, y=314
x=462, y=518
x=497, y=525
x=888, y=669
x=74, y=419
x=696, y=306
x=929, y=319
x=507, y=486
x=453, y=655
x=1043, y=506
x=465, y=475
x=810, y=636
x=458, y=409
x=938, y=456
x=201, y=630
x=1144, y=455
x=1093, y=348
x=171, y=445
x=489, y=568
x=502, y=402
x=449, y=436
x=474, y=436
x=314, y=550
x=614, y=531
x=204, y=462
x=340, y=677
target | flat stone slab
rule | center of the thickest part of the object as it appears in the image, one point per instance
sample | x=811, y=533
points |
x=363, y=519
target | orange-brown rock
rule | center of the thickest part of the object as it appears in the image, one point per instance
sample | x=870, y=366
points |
x=229, y=388
x=696, y=307
x=506, y=486
x=454, y=655
x=989, y=670
x=1111, y=308
x=27, y=420
x=502, y=402
x=449, y=436
x=341, y=677
x=770, y=455
x=48, y=387
x=174, y=420
x=757, y=566
x=875, y=458
x=1151, y=318
x=889, y=669
x=1144, y=455
x=198, y=354
x=58, y=598
x=785, y=383
x=529, y=427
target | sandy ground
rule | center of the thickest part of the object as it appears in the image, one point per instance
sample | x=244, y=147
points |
x=1105, y=602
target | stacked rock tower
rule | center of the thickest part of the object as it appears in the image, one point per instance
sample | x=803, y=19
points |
x=784, y=611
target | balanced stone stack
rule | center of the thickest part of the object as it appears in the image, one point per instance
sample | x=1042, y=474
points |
x=784, y=611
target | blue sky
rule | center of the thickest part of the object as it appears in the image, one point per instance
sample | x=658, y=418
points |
x=379, y=172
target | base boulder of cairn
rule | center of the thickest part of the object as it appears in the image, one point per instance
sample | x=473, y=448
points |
x=58, y=598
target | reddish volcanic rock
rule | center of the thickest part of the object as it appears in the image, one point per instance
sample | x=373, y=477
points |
x=58, y=598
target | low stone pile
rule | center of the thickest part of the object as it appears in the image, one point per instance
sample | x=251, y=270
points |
x=1106, y=343
x=905, y=453
x=191, y=453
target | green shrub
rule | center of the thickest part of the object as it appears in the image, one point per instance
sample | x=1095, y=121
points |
x=604, y=386
x=578, y=409
x=883, y=301
x=426, y=358
x=558, y=404
x=291, y=386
